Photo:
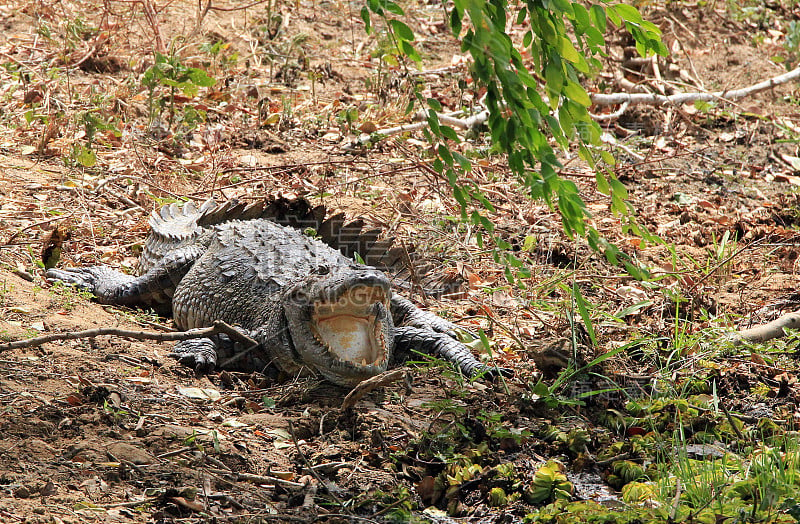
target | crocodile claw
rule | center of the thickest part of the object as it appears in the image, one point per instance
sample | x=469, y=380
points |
x=81, y=277
x=199, y=354
x=493, y=373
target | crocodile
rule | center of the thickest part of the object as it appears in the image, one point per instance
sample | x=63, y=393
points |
x=308, y=305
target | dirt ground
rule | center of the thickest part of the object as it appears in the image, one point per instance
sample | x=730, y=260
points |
x=109, y=429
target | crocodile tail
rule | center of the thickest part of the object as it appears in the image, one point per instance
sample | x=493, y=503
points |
x=295, y=212
x=178, y=222
x=351, y=238
x=407, y=268
x=171, y=227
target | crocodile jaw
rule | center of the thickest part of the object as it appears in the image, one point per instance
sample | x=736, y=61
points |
x=340, y=323
x=352, y=329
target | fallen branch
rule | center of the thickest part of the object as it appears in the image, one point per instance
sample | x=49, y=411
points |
x=261, y=479
x=683, y=98
x=775, y=329
x=365, y=386
x=217, y=328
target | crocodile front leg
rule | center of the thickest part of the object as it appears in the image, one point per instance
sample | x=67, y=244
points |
x=113, y=287
x=197, y=353
x=409, y=338
x=205, y=354
x=405, y=313
x=225, y=352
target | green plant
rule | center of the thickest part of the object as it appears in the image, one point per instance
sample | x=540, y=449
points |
x=346, y=119
x=526, y=108
x=792, y=43
x=170, y=72
x=552, y=396
x=66, y=297
x=549, y=483
x=220, y=52
x=92, y=120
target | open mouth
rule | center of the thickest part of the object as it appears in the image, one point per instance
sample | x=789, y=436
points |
x=351, y=328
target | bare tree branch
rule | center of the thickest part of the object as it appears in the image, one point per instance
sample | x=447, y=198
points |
x=683, y=98
x=216, y=328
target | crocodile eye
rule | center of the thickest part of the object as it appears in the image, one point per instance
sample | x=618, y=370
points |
x=323, y=269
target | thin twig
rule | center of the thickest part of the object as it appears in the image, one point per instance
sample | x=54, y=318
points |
x=312, y=470
x=218, y=327
x=728, y=259
x=261, y=479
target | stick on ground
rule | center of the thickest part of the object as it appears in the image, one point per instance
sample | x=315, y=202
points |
x=775, y=329
x=216, y=328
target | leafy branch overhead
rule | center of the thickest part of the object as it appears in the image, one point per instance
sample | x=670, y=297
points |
x=530, y=102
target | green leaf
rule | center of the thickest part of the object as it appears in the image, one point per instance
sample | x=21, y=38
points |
x=608, y=158
x=484, y=340
x=433, y=122
x=584, y=313
x=367, y=22
x=650, y=27
x=582, y=19
x=434, y=104
x=527, y=39
x=618, y=188
x=595, y=38
x=602, y=183
x=565, y=119
x=628, y=13
x=462, y=161
x=613, y=17
x=449, y=132
x=201, y=78
x=523, y=12
x=445, y=155
x=84, y=156
x=394, y=8
x=577, y=94
x=633, y=309
x=455, y=21
x=410, y=51
x=564, y=6
x=401, y=30
x=568, y=51
x=189, y=89
x=555, y=81
x=529, y=244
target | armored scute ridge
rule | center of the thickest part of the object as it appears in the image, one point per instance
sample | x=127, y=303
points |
x=304, y=300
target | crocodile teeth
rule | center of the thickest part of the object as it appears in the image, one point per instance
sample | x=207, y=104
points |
x=364, y=362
